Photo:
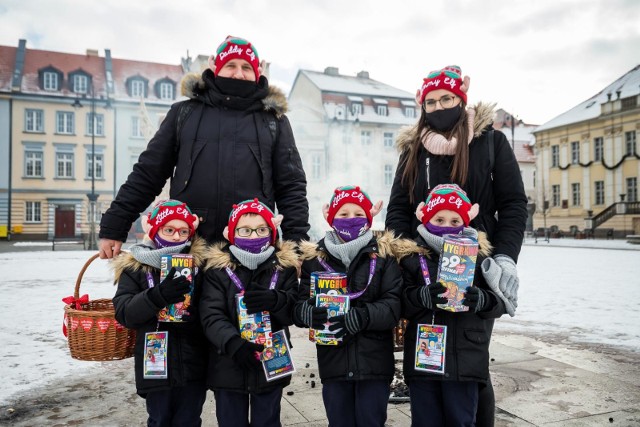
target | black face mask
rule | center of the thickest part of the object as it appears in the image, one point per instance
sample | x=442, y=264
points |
x=444, y=120
x=235, y=87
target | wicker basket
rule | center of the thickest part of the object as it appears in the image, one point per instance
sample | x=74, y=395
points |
x=93, y=331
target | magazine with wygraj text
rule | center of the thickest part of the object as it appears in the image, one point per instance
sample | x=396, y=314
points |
x=336, y=305
x=278, y=362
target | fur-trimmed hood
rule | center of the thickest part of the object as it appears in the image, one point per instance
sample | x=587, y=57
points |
x=406, y=247
x=386, y=241
x=126, y=261
x=275, y=101
x=218, y=257
x=484, y=117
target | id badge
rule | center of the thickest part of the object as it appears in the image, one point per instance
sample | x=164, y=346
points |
x=431, y=348
x=155, y=355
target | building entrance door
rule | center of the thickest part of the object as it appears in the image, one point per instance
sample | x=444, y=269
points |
x=65, y=221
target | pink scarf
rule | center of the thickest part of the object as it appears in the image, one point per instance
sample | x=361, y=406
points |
x=437, y=144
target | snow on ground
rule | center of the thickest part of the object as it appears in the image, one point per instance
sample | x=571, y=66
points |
x=584, y=293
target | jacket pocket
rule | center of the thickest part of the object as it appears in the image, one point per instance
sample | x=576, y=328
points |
x=184, y=167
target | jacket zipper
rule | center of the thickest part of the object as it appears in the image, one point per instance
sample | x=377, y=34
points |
x=427, y=176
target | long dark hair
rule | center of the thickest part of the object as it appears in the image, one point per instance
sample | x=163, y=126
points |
x=460, y=167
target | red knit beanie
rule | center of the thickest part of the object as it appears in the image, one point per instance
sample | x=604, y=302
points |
x=168, y=210
x=237, y=48
x=446, y=197
x=449, y=78
x=255, y=207
x=349, y=194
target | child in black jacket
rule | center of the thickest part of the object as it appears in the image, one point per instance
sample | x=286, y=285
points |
x=451, y=397
x=265, y=272
x=356, y=374
x=178, y=398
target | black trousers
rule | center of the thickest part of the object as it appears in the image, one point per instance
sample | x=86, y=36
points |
x=176, y=407
x=443, y=403
x=356, y=403
x=232, y=408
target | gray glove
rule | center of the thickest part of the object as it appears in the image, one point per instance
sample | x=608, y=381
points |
x=436, y=242
x=492, y=272
x=509, y=282
x=307, y=314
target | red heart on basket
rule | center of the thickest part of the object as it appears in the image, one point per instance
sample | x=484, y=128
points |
x=118, y=326
x=86, y=324
x=103, y=324
x=74, y=323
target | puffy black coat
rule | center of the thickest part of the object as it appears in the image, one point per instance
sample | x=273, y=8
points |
x=187, y=346
x=468, y=333
x=220, y=317
x=368, y=355
x=226, y=154
x=503, y=193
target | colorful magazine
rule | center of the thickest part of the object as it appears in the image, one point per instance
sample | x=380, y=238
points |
x=278, y=362
x=183, y=264
x=430, y=348
x=254, y=327
x=336, y=305
x=321, y=283
x=456, y=269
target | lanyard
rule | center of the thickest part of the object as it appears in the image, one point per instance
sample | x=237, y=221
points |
x=236, y=280
x=151, y=283
x=425, y=270
x=372, y=270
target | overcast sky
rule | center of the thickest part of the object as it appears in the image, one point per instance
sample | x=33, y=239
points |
x=536, y=59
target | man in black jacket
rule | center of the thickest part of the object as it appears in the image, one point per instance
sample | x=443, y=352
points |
x=230, y=141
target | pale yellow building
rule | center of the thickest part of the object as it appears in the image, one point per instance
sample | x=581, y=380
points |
x=588, y=163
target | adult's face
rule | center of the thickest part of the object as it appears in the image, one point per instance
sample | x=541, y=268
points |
x=238, y=69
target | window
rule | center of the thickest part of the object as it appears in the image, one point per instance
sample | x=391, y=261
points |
x=597, y=149
x=315, y=166
x=80, y=83
x=630, y=142
x=555, y=195
x=381, y=110
x=137, y=88
x=136, y=127
x=64, y=165
x=575, y=194
x=99, y=165
x=599, y=192
x=166, y=91
x=388, y=139
x=33, y=163
x=32, y=212
x=629, y=103
x=356, y=109
x=50, y=80
x=99, y=123
x=410, y=112
x=64, y=123
x=575, y=152
x=33, y=120
x=388, y=175
x=555, y=156
x=365, y=137
x=632, y=189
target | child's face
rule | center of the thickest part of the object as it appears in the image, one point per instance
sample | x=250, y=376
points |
x=447, y=218
x=252, y=226
x=175, y=230
x=350, y=210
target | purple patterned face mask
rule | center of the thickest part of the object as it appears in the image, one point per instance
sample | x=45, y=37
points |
x=440, y=231
x=161, y=243
x=350, y=228
x=254, y=246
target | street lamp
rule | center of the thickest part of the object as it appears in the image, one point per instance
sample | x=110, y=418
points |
x=92, y=196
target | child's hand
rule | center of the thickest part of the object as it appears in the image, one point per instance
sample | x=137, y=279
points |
x=248, y=355
x=428, y=295
x=476, y=299
x=353, y=322
x=309, y=315
x=258, y=300
x=171, y=290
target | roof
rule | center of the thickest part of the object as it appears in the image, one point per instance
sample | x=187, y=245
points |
x=354, y=85
x=152, y=71
x=627, y=85
x=7, y=64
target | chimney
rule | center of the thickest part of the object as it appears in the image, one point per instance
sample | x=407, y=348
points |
x=332, y=71
x=92, y=52
x=363, y=74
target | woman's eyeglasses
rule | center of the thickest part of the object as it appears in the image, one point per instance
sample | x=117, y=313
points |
x=446, y=101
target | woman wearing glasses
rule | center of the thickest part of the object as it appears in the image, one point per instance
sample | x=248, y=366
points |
x=455, y=143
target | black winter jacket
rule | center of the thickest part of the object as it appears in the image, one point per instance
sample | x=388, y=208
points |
x=187, y=346
x=220, y=317
x=225, y=154
x=468, y=333
x=368, y=355
x=499, y=191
